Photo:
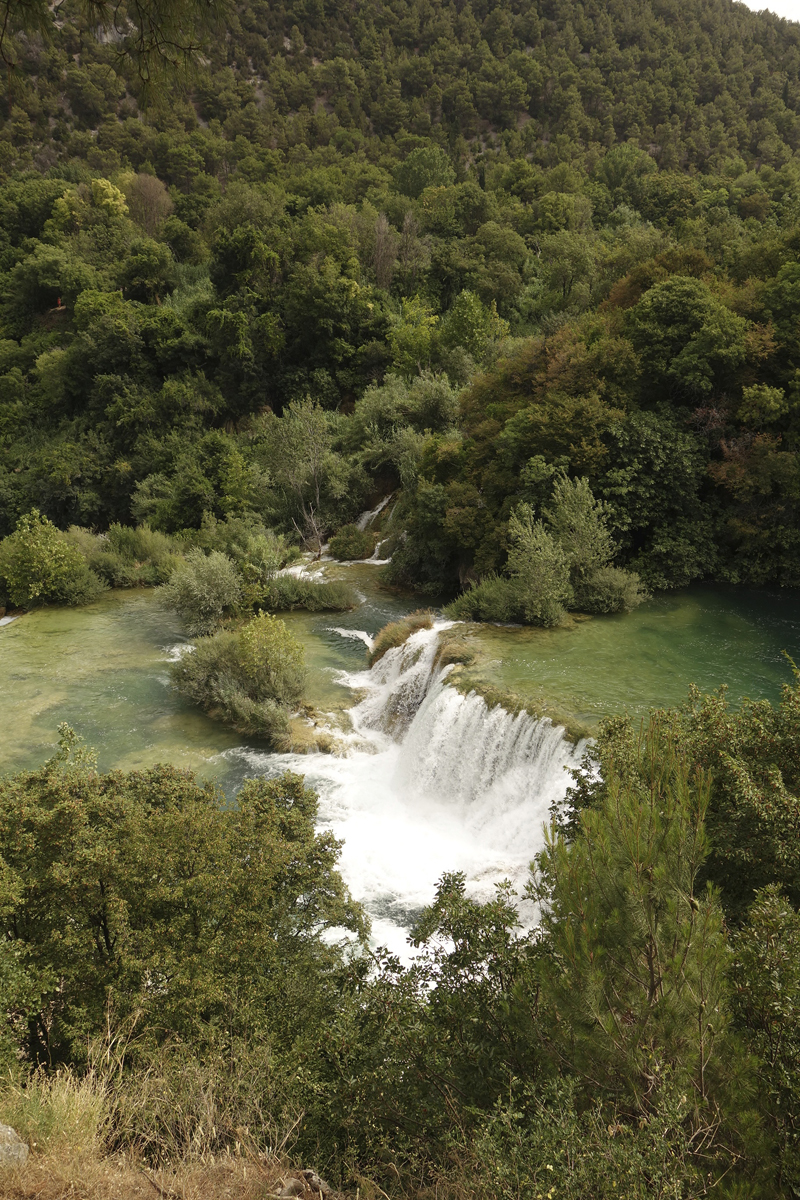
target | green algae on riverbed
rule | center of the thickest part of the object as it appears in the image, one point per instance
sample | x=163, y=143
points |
x=707, y=635
x=105, y=668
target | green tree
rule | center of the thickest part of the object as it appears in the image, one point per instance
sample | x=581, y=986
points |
x=473, y=325
x=298, y=450
x=203, y=591
x=160, y=40
x=148, y=272
x=40, y=565
x=687, y=337
x=765, y=982
x=426, y=166
x=145, y=897
x=411, y=336
x=539, y=566
x=578, y=522
x=638, y=990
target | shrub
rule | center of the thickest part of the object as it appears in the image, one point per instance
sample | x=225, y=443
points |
x=153, y=554
x=610, y=590
x=127, y=556
x=352, y=543
x=493, y=599
x=285, y=593
x=39, y=564
x=203, y=591
x=87, y=542
x=398, y=632
x=114, y=570
x=248, y=679
x=272, y=659
x=247, y=541
x=540, y=565
x=568, y=1151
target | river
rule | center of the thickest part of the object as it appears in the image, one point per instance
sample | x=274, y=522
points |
x=425, y=779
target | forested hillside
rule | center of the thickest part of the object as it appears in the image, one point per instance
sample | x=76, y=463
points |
x=531, y=271
x=453, y=248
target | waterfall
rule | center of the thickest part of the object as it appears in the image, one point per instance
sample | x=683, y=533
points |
x=366, y=518
x=431, y=781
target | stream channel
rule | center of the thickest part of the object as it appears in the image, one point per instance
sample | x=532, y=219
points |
x=424, y=778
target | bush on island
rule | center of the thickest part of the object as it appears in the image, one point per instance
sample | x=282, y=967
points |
x=397, y=632
x=250, y=678
x=204, y=591
x=285, y=593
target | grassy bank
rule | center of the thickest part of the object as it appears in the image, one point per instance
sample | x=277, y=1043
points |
x=396, y=633
x=101, y=1137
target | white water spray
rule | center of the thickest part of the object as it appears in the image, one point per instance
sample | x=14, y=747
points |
x=431, y=781
x=366, y=518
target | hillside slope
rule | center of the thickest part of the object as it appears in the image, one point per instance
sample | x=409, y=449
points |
x=350, y=198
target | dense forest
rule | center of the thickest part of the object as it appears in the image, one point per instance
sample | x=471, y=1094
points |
x=532, y=269
x=453, y=249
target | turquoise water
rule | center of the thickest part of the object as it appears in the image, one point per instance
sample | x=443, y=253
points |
x=104, y=669
x=706, y=635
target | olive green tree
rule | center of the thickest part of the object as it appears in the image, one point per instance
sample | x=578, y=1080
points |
x=144, y=900
x=638, y=989
x=39, y=565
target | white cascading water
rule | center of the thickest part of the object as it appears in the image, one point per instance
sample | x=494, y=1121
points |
x=430, y=781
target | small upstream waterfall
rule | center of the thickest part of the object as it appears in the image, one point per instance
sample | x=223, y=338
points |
x=366, y=518
x=430, y=781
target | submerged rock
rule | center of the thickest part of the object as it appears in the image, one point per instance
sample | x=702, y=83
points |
x=13, y=1151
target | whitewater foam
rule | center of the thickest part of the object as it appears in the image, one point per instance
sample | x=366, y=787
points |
x=432, y=781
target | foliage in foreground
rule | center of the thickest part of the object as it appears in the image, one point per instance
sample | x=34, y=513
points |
x=249, y=678
x=635, y=1043
x=187, y=916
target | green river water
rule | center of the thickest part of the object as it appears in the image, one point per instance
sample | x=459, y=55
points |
x=105, y=669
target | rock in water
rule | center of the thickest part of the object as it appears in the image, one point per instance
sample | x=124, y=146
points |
x=13, y=1151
